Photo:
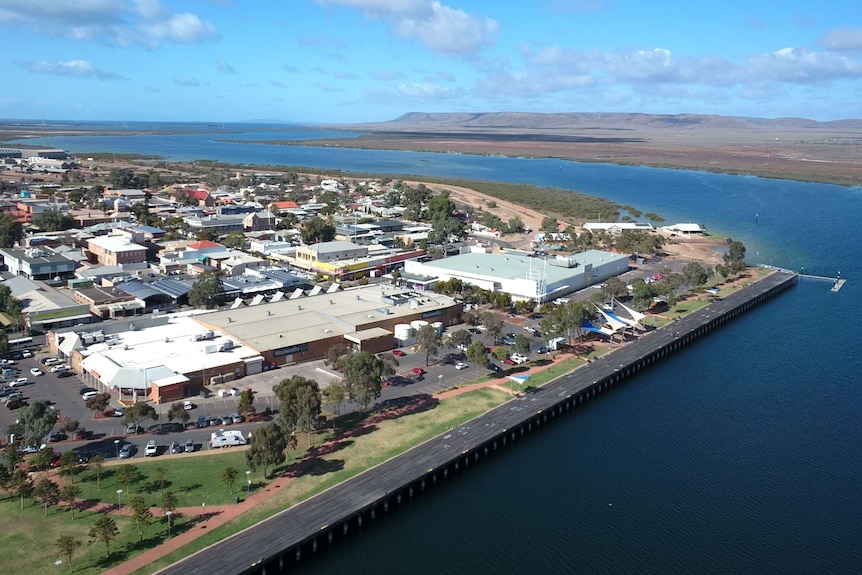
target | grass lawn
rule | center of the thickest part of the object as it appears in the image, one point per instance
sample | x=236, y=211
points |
x=390, y=438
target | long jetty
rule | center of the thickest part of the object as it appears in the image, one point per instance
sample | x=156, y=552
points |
x=293, y=535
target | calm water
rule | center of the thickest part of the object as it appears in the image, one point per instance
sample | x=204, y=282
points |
x=743, y=454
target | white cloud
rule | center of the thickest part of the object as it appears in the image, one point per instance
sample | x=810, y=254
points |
x=801, y=66
x=72, y=68
x=225, y=68
x=186, y=82
x=122, y=22
x=428, y=92
x=841, y=39
x=437, y=26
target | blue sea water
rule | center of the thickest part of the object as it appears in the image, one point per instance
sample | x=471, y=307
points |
x=742, y=454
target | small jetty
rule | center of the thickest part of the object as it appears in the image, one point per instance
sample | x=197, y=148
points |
x=837, y=282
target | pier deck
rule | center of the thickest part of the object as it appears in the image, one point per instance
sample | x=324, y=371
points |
x=261, y=548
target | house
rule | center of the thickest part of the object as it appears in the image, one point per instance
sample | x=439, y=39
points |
x=37, y=263
x=115, y=250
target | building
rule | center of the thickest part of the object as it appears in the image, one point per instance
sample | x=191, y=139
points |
x=116, y=250
x=45, y=307
x=616, y=228
x=521, y=276
x=308, y=256
x=37, y=263
x=684, y=229
x=341, y=260
x=217, y=224
x=303, y=328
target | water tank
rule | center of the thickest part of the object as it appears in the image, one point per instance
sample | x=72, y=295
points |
x=438, y=325
x=418, y=324
x=403, y=331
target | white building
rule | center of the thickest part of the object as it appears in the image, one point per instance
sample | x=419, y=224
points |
x=521, y=276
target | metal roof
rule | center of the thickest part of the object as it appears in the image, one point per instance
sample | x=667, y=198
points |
x=174, y=288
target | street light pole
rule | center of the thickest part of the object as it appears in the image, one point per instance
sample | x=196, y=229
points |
x=248, y=478
x=58, y=562
x=168, y=515
x=119, y=499
x=117, y=446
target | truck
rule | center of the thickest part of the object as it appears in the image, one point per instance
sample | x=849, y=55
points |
x=222, y=438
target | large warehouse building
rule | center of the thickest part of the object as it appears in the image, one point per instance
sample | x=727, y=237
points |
x=170, y=357
x=521, y=276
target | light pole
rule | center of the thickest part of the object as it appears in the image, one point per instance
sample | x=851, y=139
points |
x=168, y=515
x=119, y=498
x=58, y=562
x=117, y=447
x=248, y=478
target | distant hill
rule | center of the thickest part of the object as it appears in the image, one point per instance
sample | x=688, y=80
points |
x=565, y=122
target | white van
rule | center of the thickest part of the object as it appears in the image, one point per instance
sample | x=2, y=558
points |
x=89, y=395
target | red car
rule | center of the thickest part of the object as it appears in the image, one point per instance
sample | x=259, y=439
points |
x=418, y=370
x=398, y=352
x=508, y=361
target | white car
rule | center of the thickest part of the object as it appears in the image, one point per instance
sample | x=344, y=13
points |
x=519, y=358
x=461, y=365
x=188, y=405
x=151, y=449
x=26, y=353
x=462, y=347
x=21, y=381
x=51, y=361
x=59, y=368
x=36, y=371
x=89, y=395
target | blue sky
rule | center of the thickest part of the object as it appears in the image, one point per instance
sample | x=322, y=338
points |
x=338, y=61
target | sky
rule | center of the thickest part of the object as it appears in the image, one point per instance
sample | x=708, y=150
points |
x=346, y=61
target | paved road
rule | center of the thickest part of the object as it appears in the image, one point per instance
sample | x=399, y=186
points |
x=244, y=551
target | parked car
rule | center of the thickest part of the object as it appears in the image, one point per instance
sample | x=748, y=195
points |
x=12, y=396
x=152, y=449
x=215, y=421
x=493, y=366
x=118, y=412
x=82, y=433
x=58, y=368
x=6, y=362
x=20, y=382
x=49, y=361
x=26, y=353
x=126, y=451
x=398, y=352
x=203, y=421
x=15, y=403
x=84, y=390
x=66, y=373
x=190, y=446
x=131, y=428
x=176, y=447
x=36, y=371
x=461, y=365
x=543, y=349
x=84, y=456
x=89, y=395
x=519, y=358
x=418, y=370
x=237, y=418
x=462, y=347
x=57, y=436
x=188, y=405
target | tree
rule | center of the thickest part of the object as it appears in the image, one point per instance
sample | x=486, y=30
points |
x=48, y=493
x=316, y=229
x=267, y=447
x=207, y=290
x=178, y=412
x=36, y=420
x=549, y=225
x=141, y=515
x=246, y=402
x=69, y=465
x=104, y=530
x=234, y=240
x=53, y=221
x=614, y=287
x=296, y=405
x=501, y=353
x=120, y=178
x=98, y=402
x=428, y=339
x=140, y=411
x=458, y=338
x=43, y=459
x=21, y=484
x=336, y=355
x=11, y=230
x=168, y=501
x=477, y=354
x=735, y=257
x=12, y=456
x=69, y=493
x=522, y=344
x=363, y=377
x=335, y=395
x=67, y=545
x=228, y=477
x=128, y=474
x=515, y=225
x=695, y=274
x=97, y=464
x=493, y=325
x=161, y=475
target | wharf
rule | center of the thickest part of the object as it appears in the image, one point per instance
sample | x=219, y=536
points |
x=289, y=537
